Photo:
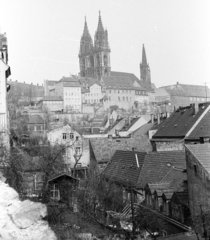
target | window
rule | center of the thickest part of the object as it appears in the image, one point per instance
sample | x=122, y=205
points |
x=71, y=136
x=109, y=98
x=35, y=128
x=195, y=169
x=64, y=136
x=110, y=91
x=123, y=98
x=78, y=150
x=119, y=99
x=77, y=138
x=164, y=233
x=54, y=192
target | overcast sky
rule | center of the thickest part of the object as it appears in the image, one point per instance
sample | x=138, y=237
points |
x=44, y=37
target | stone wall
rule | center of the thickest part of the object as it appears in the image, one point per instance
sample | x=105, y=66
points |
x=198, y=185
x=169, y=146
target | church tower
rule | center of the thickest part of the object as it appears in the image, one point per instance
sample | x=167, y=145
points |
x=145, y=74
x=86, y=58
x=101, y=51
x=94, y=59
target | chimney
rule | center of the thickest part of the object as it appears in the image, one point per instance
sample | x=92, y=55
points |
x=152, y=118
x=129, y=120
x=158, y=118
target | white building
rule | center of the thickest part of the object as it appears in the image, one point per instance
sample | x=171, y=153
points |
x=123, y=92
x=4, y=73
x=92, y=91
x=76, y=147
x=69, y=89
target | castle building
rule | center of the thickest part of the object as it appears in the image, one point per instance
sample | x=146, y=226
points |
x=94, y=58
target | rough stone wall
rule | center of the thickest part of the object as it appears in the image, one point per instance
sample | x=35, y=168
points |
x=169, y=146
x=22, y=220
x=198, y=184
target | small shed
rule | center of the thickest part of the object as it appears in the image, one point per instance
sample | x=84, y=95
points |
x=62, y=188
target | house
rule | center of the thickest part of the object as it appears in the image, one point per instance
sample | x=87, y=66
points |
x=182, y=94
x=36, y=125
x=4, y=74
x=104, y=148
x=198, y=174
x=158, y=165
x=76, y=152
x=62, y=189
x=69, y=89
x=171, y=133
x=121, y=91
x=92, y=90
x=53, y=103
x=123, y=169
x=201, y=132
x=132, y=124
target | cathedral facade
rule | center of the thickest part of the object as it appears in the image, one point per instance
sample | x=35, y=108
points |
x=94, y=59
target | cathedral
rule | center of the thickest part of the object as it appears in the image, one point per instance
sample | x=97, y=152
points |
x=94, y=59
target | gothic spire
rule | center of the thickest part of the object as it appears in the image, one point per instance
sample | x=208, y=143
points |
x=86, y=31
x=144, y=58
x=100, y=25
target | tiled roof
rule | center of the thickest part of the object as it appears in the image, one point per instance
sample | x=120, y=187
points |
x=188, y=90
x=174, y=91
x=125, y=74
x=52, y=98
x=128, y=126
x=51, y=82
x=114, y=125
x=104, y=148
x=202, y=154
x=196, y=90
x=125, y=167
x=177, y=179
x=68, y=79
x=89, y=81
x=158, y=164
x=119, y=82
x=202, y=129
x=72, y=84
x=179, y=122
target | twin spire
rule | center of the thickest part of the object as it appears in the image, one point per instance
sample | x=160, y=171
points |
x=100, y=27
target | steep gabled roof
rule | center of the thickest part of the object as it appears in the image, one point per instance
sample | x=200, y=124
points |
x=158, y=164
x=104, y=148
x=180, y=122
x=202, y=153
x=202, y=129
x=125, y=167
x=125, y=74
x=196, y=90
